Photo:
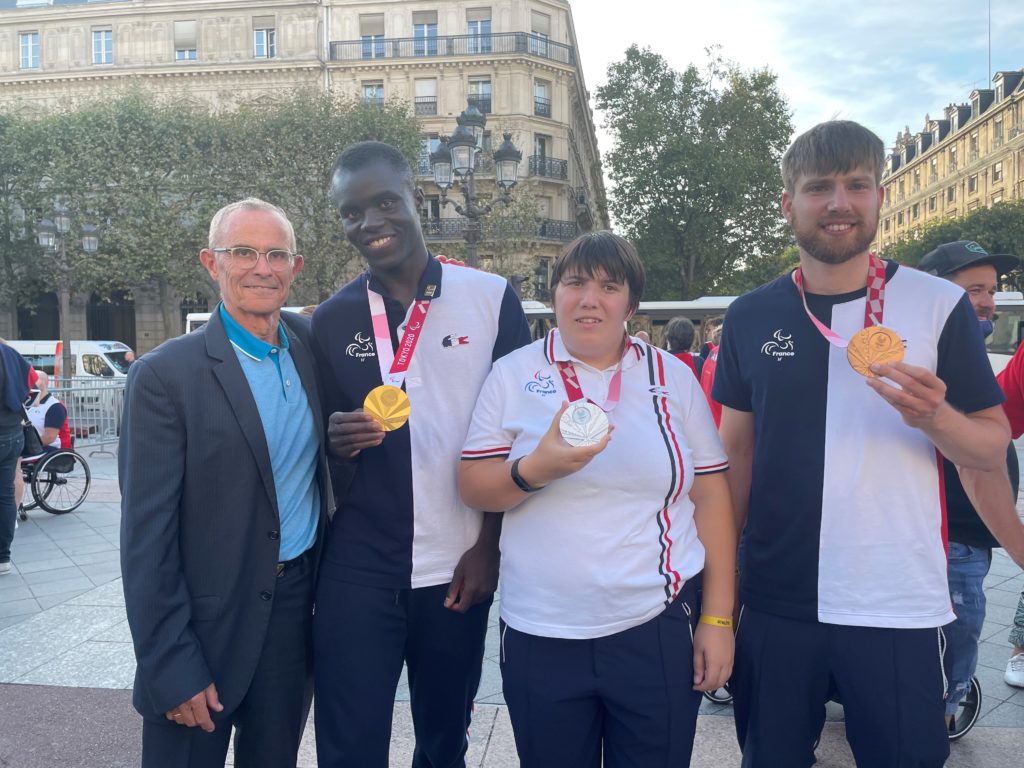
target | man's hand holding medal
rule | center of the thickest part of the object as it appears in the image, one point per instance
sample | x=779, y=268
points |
x=920, y=396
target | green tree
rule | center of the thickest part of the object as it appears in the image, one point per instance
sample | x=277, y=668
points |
x=21, y=194
x=150, y=174
x=283, y=151
x=999, y=229
x=694, y=166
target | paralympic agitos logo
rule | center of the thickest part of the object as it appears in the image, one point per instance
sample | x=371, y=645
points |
x=361, y=348
x=780, y=346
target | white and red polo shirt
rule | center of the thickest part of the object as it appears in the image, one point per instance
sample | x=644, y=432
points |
x=607, y=548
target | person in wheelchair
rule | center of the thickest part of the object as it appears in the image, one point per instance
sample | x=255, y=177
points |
x=48, y=415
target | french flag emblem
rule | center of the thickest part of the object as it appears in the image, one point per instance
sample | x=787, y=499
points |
x=454, y=340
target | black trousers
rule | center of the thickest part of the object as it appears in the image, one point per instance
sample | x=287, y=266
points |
x=890, y=682
x=623, y=701
x=361, y=636
x=271, y=717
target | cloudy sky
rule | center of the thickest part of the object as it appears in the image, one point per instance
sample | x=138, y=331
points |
x=884, y=63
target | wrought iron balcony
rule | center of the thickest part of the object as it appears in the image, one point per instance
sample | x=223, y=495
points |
x=483, y=103
x=374, y=101
x=544, y=229
x=426, y=106
x=453, y=45
x=541, y=106
x=548, y=167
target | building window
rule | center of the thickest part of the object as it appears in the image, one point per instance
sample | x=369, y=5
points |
x=997, y=171
x=483, y=161
x=542, y=285
x=424, y=32
x=540, y=32
x=997, y=199
x=373, y=93
x=952, y=158
x=972, y=147
x=428, y=144
x=915, y=211
x=886, y=224
x=933, y=202
x=541, y=98
x=264, y=37
x=478, y=27
x=972, y=184
x=997, y=132
x=29, y=50
x=102, y=46
x=916, y=187
x=933, y=170
x=480, y=94
x=186, y=36
x=426, y=97
x=951, y=193
x=371, y=32
x=899, y=219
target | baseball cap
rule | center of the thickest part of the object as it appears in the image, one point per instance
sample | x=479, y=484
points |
x=952, y=257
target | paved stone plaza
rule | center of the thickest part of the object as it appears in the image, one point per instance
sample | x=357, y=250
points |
x=66, y=662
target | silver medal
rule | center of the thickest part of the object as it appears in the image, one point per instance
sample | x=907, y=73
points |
x=583, y=424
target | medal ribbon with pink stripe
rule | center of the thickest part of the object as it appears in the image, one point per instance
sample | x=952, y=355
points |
x=393, y=368
x=874, y=304
x=574, y=391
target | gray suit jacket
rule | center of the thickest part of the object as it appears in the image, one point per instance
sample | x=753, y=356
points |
x=199, y=516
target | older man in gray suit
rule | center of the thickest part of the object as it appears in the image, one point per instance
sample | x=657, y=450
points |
x=225, y=494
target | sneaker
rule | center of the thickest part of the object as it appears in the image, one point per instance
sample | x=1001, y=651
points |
x=1015, y=671
x=6, y=568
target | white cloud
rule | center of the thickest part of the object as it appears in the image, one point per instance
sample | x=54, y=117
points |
x=880, y=62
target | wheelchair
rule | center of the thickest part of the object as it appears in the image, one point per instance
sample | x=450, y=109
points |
x=58, y=480
x=966, y=715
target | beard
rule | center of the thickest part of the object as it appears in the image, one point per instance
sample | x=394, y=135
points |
x=827, y=250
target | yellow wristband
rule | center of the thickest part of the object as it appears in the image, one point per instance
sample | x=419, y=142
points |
x=715, y=621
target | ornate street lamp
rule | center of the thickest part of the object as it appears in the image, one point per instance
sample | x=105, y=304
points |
x=506, y=163
x=454, y=163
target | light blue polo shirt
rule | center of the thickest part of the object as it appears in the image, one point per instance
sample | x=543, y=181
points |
x=289, y=431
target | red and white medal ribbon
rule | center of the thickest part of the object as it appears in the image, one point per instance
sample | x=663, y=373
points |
x=874, y=304
x=574, y=391
x=393, y=367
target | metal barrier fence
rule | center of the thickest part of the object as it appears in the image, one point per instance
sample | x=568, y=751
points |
x=94, y=412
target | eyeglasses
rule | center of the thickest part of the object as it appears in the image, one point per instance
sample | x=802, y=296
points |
x=278, y=259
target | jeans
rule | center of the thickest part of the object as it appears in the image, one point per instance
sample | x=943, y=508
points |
x=10, y=450
x=967, y=569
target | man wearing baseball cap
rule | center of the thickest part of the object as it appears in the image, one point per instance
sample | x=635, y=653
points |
x=971, y=541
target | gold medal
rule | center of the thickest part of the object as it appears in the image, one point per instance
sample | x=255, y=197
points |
x=874, y=344
x=388, y=405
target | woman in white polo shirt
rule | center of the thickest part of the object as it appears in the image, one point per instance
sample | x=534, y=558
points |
x=603, y=453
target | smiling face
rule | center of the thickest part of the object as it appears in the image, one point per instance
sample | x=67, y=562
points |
x=252, y=295
x=591, y=311
x=834, y=217
x=379, y=211
x=980, y=283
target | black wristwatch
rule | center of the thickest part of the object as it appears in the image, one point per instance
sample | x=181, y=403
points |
x=519, y=481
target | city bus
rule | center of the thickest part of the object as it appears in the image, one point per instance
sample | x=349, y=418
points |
x=651, y=316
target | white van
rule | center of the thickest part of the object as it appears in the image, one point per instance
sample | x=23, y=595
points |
x=89, y=359
x=196, y=320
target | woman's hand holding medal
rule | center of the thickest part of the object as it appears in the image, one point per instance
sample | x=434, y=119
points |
x=919, y=397
x=554, y=458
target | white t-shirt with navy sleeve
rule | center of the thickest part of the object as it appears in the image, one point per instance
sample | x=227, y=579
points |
x=610, y=546
x=846, y=516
